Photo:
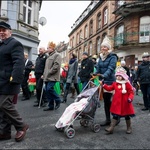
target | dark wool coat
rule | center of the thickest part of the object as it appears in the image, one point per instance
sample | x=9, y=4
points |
x=11, y=65
x=87, y=67
x=143, y=73
x=120, y=105
x=40, y=64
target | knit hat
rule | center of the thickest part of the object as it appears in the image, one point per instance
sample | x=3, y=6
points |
x=120, y=71
x=52, y=45
x=123, y=62
x=106, y=42
x=85, y=53
x=145, y=54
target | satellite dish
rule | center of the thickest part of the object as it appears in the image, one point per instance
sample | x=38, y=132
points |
x=42, y=21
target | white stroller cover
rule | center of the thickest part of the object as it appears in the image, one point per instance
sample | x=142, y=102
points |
x=70, y=113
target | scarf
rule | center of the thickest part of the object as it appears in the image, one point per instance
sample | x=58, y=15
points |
x=72, y=60
x=103, y=55
x=123, y=85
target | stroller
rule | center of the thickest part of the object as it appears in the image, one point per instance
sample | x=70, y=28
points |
x=83, y=109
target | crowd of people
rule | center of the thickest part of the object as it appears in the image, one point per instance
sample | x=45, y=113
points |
x=118, y=84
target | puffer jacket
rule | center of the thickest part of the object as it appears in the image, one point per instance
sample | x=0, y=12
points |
x=143, y=73
x=107, y=68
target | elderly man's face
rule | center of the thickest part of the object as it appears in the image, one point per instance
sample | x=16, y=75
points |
x=4, y=33
x=41, y=50
x=146, y=58
x=26, y=56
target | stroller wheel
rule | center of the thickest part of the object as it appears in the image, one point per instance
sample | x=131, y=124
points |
x=70, y=132
x=84, y=123
x=95, y=127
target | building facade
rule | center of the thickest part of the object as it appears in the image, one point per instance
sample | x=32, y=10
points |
x=23, y=16
x=126, y=23
x=62, y=48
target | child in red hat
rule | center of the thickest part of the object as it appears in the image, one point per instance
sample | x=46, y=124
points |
x=122, y=100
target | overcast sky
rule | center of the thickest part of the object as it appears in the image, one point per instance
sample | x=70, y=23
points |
x=60, y=15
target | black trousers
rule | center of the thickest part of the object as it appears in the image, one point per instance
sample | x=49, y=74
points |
x=9, y=115
x=25, y=87
x=39, y=86
x=107, y=103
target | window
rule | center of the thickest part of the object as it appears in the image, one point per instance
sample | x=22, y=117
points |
x=77, y=38
x=27, y=12
x=98, y=21
x=119, y=35
x=144, y=35
x=91, y=27
x=81, y=52
x=103, y=36
x=98, y=45
x=85, y=48
x=80, y=36
x=90, y=48
x=105, y=16
x=86, y=31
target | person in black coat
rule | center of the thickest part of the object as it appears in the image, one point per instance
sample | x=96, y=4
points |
x=87, y=67
x=39, y=69
x=25, y=88
x=11, y=76
x=123, y=64
x=143, y=76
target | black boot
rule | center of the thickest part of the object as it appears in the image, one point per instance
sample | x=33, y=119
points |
x=65, y=96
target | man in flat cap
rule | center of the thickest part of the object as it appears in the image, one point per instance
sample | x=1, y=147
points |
x=11, y=76
x=143, y=76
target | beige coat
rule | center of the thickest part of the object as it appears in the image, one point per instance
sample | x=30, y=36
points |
x=52, y=67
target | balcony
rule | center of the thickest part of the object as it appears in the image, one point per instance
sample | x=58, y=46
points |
x=132, y=7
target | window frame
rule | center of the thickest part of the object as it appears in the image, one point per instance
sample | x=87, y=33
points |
x=26, y=18
x=105, y=16
x=120, y=34
x=144, y=38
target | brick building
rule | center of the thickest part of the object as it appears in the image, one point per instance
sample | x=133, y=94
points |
x=127, y=23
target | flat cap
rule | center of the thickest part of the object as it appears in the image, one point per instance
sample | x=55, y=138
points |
x=85, y=53
x=5, y=25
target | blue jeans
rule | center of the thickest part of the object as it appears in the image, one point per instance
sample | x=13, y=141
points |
x=51, y=94
x=145, y=88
